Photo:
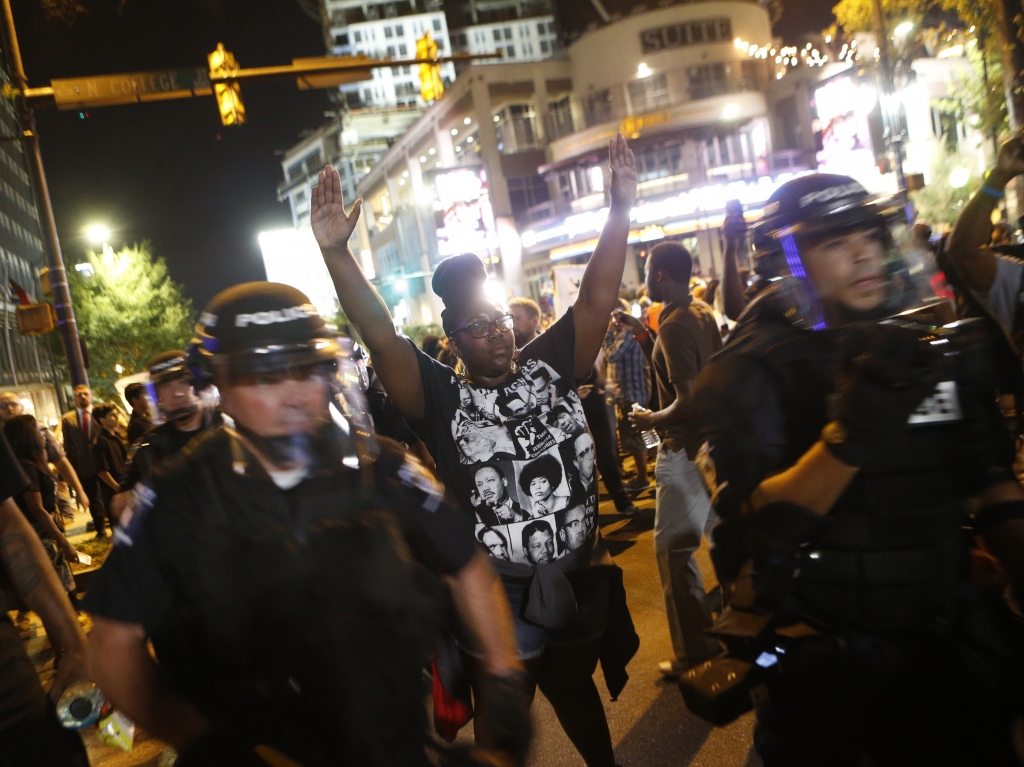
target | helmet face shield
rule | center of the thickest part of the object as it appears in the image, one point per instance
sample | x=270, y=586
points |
x=273, y=363
x=860, y=264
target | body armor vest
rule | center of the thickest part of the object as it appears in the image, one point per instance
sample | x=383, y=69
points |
x=895, y=548
x=308, y=622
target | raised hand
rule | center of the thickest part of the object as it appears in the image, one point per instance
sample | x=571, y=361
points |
x=331, y=227
x=624, y=178
x=1010, y=159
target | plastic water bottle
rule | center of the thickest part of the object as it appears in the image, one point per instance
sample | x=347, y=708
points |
x=650, y=437
x=80, y=705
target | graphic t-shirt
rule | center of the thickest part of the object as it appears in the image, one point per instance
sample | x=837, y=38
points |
x=519, y=454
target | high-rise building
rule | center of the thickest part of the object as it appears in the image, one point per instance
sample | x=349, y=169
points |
x=25, y=363
x=517, y=29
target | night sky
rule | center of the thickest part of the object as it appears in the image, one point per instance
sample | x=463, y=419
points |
x=169, y=172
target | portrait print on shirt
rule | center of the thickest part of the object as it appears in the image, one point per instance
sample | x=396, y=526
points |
x=533, y=542
x=495, y=539
x=526, y=456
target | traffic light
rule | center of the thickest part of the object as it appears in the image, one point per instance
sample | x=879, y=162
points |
x=431, y=87
x=229, y=95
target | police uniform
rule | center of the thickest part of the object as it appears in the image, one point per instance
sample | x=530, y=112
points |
x=163, y=441
x=898, y=660
x=295, y=611
x=158, y=443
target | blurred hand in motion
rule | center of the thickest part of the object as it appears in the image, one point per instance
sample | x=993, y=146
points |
x=624, y=177
x=70, y=669
x=642, y=420
x=1010, y=161
x=631, y=322
x=331, y=227
x=735, y=226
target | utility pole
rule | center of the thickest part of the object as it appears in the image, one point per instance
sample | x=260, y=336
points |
x=890, y=109
x=47, y=224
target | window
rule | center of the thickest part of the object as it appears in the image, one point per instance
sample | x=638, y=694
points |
x=551, y=27
x=341, y=38
x=387, y=32
x=648, y=93
x=515, y=128
x=391, y=51
x=357, y=36
x=367, y=95
x=437, y=25
x=659, y=162
x=707, y=80
x=559, y=119
x=528, y=192
x=540, y=28
x=544, y=47
x=399, y=30
x=750, y=75
x=508, y=33
x=510, y=52
x=402, y=51
x=599, y=108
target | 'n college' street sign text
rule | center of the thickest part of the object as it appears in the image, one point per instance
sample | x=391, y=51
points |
x=107, y=90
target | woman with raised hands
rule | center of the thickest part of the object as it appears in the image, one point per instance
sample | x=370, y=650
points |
x=494, y=411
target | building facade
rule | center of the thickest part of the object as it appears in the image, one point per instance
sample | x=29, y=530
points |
x=517, y=29
x=25, y=363
x=512, y=163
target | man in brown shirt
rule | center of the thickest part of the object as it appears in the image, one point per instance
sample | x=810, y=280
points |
x=687, y=337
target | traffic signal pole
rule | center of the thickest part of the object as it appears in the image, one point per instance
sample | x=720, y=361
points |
x=222, y=80
x=47, y=224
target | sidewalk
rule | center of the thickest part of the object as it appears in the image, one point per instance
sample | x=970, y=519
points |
x=147, y=752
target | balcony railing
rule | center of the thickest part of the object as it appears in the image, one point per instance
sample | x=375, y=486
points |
x=576, y=113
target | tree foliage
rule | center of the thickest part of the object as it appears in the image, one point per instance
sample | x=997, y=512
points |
x=858, y=15
x=939, y=203
x=128, y=310
x=976, y=100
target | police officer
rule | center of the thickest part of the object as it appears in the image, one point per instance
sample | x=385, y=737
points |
x=287, y=567
x=844, y=453
x=185, y=415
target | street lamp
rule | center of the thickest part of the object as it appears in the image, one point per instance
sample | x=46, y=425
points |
x=98, y=234
x=903, y=29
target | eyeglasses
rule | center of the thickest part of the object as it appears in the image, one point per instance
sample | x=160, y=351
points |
x=481, y=328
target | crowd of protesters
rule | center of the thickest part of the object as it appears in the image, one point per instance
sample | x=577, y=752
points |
x=504, y=422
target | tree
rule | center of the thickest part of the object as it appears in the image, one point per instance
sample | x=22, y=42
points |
x=939, y=203
x=128, y=310
x=977, y=100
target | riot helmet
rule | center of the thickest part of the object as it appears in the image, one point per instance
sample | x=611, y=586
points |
x=173, y=403
x=266, y=333
x=836, y=254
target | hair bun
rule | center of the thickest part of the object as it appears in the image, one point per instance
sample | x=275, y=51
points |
x=458, y=276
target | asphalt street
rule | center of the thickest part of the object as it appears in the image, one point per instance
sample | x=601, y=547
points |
x=650, y=726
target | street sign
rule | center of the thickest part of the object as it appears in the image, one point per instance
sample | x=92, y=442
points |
x=132, y=88
x=330, y=79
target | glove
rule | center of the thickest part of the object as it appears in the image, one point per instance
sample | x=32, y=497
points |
x=895, y=370
x=503, y=713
